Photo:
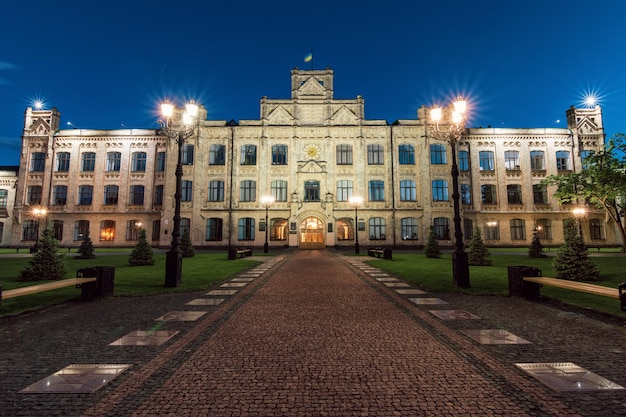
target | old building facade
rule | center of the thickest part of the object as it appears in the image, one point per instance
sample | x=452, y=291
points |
x=311, y=152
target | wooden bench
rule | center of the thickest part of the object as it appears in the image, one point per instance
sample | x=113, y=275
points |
x=241, y=252
x=380, y=253
x=619, y=293
x=53, y=285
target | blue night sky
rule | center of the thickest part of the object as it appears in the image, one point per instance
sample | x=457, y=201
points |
x=106, y=65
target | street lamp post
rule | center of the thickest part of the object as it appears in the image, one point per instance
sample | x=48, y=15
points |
x=39, y=212
x=267, y=201
x=356, y=201
x=174, y=259
x=579, y=213
x=452, y=134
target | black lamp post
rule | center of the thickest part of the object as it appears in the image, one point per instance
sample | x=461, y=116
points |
x=174, y=259
x=267, y=201
x=356, y=201
x=453, y=134
x=38, y=213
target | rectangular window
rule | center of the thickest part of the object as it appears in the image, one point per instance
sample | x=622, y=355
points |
x=248, y=155
x=463, y=161
x=344, y=154
x=63, y=162
x=59, y=198
x=107, y=230
x=408, y=226
x=466, y=194
x=441, y=228
x=406, y=155
x=518, y=229
x=377, y=228
x=544, y=229
x=132, y=230
x=114, y=161
x=438, y=154
x=37, y=161
x=139, y=162
x=160, y=165
x=186, y=190
x=216, y=191
x=562, y=161
x=537, y=161
x=540, y=194
x=311, y=191
x=279, y=155
x=595, y=229
x=440, y=190
x=88, y=162
x=81, y=229
x=247, y=190
x=85, y=195
x=111, y=194
x=4, y=198
x=187, y=155
x=217, y=155
x=213, y=229
x=375, y=155
x=158, y=195
x=408, y=190
x=30, y=230
x=485, y=158
x=344, y=190
x=376, y=190
x=156, y=230
x=468, y=229
x=488, y=194
x=514, y=193
x=279, y=190
x=34, y=195
x=136, y=195
x=511, y=160
x=246, y=229
x=492, y=230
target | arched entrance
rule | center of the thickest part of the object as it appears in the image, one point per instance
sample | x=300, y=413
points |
x=312, y=233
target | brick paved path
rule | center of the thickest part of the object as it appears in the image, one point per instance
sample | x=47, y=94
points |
x=312, y=336
x=317, y=339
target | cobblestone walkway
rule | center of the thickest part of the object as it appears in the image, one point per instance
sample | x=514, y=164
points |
x=316, y=336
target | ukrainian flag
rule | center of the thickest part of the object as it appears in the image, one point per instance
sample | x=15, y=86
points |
x=308, y=57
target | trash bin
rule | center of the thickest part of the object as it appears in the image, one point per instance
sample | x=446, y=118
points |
x=102, y=287
x=232, y=254
x=519, y=288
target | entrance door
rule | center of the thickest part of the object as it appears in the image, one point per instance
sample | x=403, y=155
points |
x=312, y=234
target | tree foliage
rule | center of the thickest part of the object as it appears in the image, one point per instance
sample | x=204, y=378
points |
x=186, y=248
x=571, y=261
x=478, y=252
x=86, y=249
x=142, y=254
x=601, y=182
x=536, y=248
x=46, y=263
x=432, y=245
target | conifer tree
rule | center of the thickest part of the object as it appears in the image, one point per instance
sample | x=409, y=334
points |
x=432, y=245
x=478, y=252
x=46, y=263
x=142, y=254
x=86, y=249
x=571, y=261
x=186, y=248
x=536, y=249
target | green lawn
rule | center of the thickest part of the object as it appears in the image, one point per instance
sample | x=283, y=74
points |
x=436, y=275
x=200, y=272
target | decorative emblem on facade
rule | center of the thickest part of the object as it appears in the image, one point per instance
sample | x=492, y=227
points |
x=311, y=152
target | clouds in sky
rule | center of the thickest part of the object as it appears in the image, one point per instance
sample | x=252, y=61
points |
x=3, y=67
